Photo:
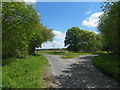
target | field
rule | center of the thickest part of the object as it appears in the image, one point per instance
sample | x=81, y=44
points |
x=24, y=73
x=108, y=64
x=65, y=52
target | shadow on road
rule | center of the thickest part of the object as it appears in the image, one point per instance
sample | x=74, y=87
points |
x=84, y=75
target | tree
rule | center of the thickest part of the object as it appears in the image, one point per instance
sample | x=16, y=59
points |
x=22, y=30
x=77, y=40
x=72, y=39
x=18, y=23
x=41, y=35
x=90, y=41
x=109, y=26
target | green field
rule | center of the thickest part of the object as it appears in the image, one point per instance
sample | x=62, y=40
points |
x=24, y=73
x=108, y=64
x=63, y=52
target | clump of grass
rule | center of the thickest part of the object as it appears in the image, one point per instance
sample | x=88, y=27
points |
x=68, y=56
x=23, y=73
x=108, y=64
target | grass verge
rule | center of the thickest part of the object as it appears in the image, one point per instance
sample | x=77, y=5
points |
x=108, y=64
x=24, y=73
x=68, y=56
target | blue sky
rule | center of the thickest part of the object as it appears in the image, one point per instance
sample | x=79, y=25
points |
x=60, y=16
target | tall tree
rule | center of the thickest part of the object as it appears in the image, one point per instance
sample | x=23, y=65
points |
x=22, y=30
x=18, y=23
x=41, y=35
x=109, y=27
x=72, y=39
x=77, y=40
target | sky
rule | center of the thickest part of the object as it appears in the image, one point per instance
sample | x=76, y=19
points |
x=61, y=16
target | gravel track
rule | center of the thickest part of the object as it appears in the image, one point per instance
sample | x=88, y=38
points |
x=78, y=72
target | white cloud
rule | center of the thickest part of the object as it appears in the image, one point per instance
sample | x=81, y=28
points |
x=38, y=13
x=53, y=44
x=89, y=12
x=58, y=34
x=92, y=21
x=97, y=32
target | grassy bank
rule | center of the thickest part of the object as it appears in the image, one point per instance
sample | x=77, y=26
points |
x=68, y=57
x=108, y=64
x=24, y=73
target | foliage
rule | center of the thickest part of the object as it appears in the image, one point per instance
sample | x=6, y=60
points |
x=72, y=39
x=41, y=35
x=22, y=30
x=108, y=64
x=77, y=40
x=109, y=26
x=18, y=21
x=23, y=73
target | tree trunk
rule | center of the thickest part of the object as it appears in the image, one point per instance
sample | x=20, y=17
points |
x=32, y=50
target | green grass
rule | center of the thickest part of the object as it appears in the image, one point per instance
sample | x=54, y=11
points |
x=63, y=52
x=68, y=56
x=66, y=53
x=99, y=52
x=0, y=76
x=81, y=53
x=108, y=64
x=24, y=73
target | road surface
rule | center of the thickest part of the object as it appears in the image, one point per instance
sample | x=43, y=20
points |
x=78, y=73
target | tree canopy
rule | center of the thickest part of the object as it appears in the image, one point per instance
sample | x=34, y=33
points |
x=77, y=40
x=22, y=30
x=109, y=26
